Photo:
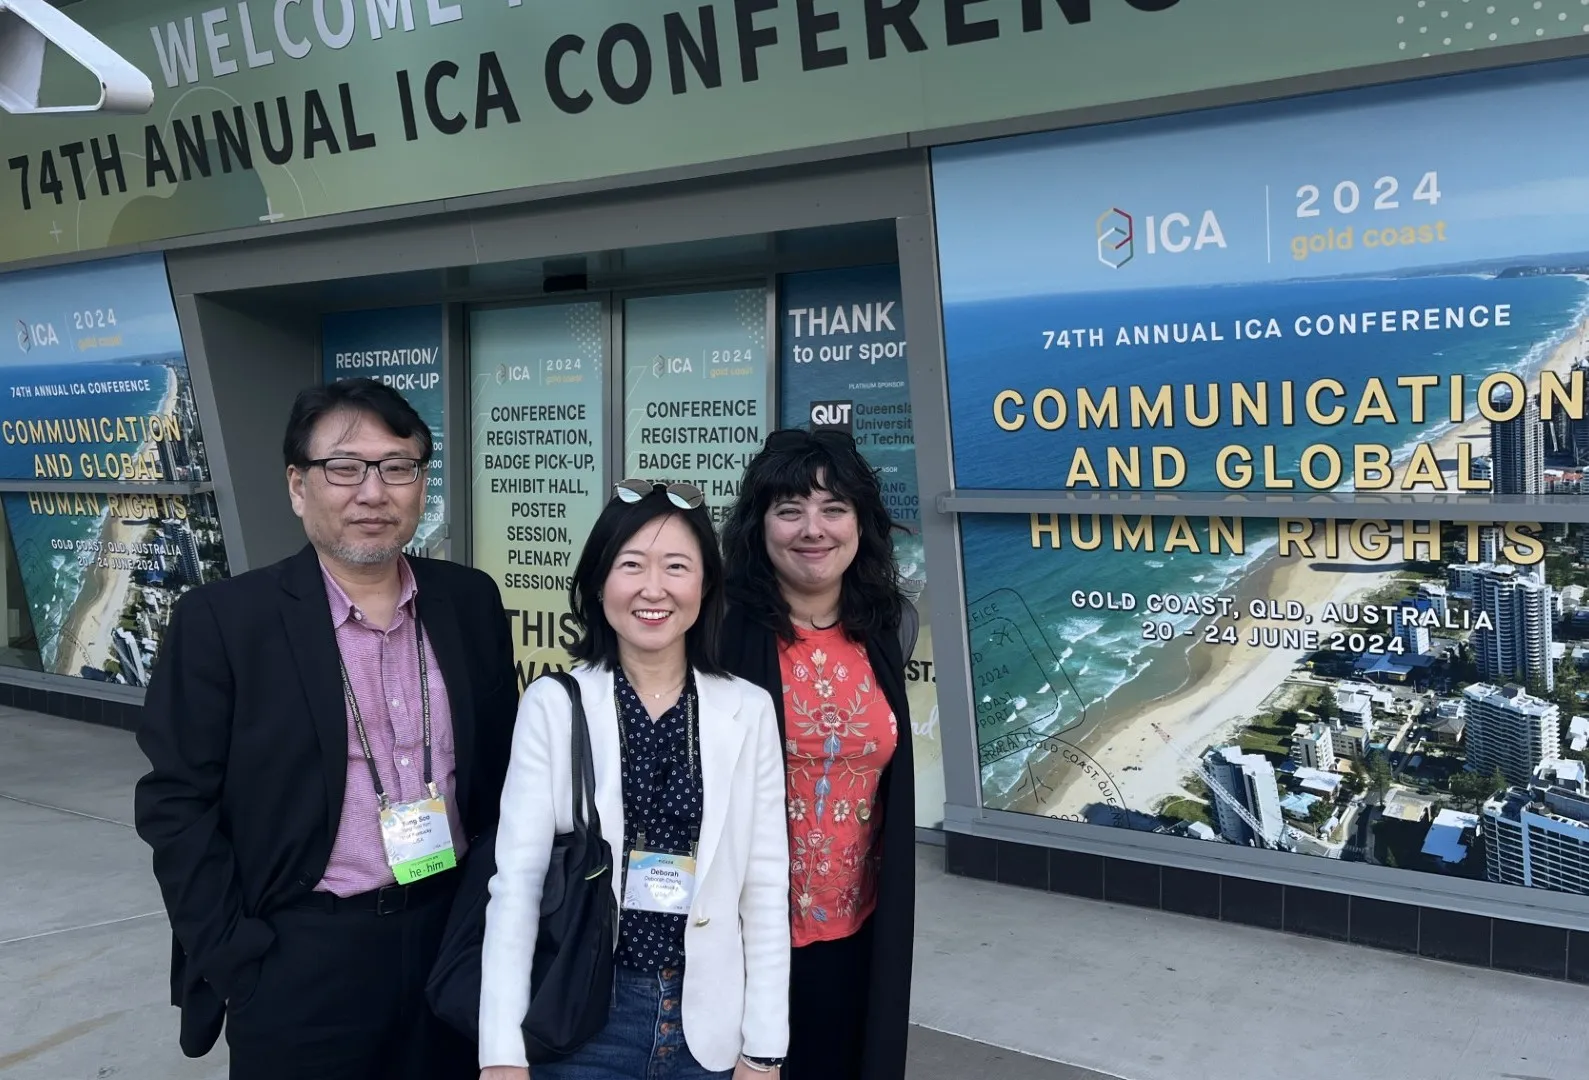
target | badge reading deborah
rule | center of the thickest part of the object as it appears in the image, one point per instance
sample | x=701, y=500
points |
x=418, y=840
x=658, y=881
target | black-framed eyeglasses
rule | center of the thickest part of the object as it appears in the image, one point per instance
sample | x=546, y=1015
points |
x=350, y=472
x=684, y=496
x=800, y=438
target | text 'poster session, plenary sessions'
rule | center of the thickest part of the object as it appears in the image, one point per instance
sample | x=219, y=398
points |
x=537, y=435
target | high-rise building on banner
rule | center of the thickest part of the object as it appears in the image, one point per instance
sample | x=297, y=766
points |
x=1579, y=429
x=1516, y=646
x=1313, y=747
x=1250, y=779
x=1414, y=637
x=1517, y=448
x=1488, y=548
x=1538, y=833
x=1558, y=435
x=1436, y=596
x=1509, y=730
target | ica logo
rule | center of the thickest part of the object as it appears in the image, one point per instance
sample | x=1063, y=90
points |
x=833, y=414
x=37, y=335
x=1170, y=234
x=671, y=365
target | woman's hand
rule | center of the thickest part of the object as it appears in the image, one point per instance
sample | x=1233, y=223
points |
x=743, y=1071
x=507, y=1072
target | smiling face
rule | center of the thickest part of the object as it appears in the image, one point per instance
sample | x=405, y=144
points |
x=811, y=541
x=368, y=523
x=652, y=595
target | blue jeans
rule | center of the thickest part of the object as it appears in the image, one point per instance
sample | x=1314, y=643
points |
x=643, y=1039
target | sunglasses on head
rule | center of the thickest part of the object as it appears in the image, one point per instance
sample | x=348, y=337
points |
x=799, y=438
x=684, y=496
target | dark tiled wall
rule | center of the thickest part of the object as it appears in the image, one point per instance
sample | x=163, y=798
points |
x=117, y=714
x=1432, y=932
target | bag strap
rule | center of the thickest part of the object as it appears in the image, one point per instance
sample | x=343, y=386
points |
x=581, y=758
x=909, y=626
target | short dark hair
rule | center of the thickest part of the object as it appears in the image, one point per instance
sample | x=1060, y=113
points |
x=791, y=464
x=352, y=395
x=598, y=641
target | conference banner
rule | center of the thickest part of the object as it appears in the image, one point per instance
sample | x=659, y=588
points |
x=695, y=389
x=841, y=364
x=97, y=396
x=267, y=112
x=1374, y=292
x=537, y=437
x=401, y=347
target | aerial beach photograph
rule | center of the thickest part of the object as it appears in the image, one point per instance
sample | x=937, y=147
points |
x=1292, y=317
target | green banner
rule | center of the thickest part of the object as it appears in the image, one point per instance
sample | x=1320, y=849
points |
x=277, y=110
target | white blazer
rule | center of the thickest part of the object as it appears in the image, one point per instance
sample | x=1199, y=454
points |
x=736, y=939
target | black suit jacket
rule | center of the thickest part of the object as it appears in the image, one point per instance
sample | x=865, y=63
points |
x=245, y=728
x=750, y=650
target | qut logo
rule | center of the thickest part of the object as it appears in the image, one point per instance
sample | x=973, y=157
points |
x=833, y=414
x=36, y=335
x=1170, y=234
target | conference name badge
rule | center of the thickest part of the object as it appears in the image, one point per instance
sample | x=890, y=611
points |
x=418, y=839
x=658, y=881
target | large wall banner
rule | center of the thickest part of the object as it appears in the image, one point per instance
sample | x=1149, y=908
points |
x=1378, y=292
x=695, y=392
x=841, y=363
x=97, y=395
x=537, y=434
x=279, y=111
x=402, y=348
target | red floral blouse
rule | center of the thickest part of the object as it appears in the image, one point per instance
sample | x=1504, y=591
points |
x=840, y=734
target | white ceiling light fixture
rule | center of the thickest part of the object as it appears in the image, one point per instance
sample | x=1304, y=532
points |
x=26, y=27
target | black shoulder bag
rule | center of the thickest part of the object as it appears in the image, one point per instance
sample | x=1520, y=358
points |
x=571, y=976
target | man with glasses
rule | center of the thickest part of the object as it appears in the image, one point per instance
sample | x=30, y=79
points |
x=326, y=735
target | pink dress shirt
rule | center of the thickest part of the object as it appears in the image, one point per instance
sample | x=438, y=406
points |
x=383, y=666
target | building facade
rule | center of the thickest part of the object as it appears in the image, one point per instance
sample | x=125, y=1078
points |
x=1509, y=732
x=1180, y=381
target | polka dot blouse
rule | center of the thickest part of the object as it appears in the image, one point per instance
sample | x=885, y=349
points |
x=662, y=799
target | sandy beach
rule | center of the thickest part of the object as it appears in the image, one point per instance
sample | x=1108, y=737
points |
x=86, y=631
x=1225, y=685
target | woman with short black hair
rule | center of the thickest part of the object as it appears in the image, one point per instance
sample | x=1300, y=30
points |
x=815, y=609
x=689, y=793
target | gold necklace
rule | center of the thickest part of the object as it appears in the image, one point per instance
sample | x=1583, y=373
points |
x=658, y=696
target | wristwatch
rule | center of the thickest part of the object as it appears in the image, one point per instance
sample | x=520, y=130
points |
x=761, y=1064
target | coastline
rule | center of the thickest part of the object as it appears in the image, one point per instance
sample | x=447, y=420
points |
x=86, y=631
x=1224, y=686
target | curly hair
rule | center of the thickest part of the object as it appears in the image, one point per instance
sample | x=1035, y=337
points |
x=796, y=463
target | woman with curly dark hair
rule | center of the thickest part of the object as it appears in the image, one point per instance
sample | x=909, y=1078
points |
x=815, y=610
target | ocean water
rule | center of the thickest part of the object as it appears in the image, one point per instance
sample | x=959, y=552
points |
x=51, y=576
x=998, y=345
x=1073, y=660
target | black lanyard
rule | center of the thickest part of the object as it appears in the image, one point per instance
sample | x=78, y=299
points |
x=650, y=787
x=358, y=718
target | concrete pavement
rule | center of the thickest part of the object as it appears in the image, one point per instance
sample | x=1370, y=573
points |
x=1008, y=983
